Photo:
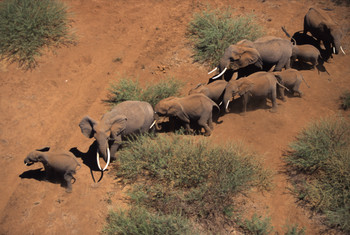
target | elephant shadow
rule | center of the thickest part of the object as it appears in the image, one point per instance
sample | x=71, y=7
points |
x=89, y=158
x=41, y=175
x=254, y=103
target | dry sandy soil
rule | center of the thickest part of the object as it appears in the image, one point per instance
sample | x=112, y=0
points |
x=43, y=107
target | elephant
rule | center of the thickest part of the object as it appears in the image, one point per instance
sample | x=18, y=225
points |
x=60, y=162
x=290, y=78
x=306, y=53
x=261, y=54
x=126, y=118
x=214, y=90
x=260, y=84
x=193, y=108
x=323, y=28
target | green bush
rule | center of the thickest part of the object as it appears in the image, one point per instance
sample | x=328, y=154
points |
x=127, y=89
x=138, y=221
x=26, y=26
x=258, y=225
x=320, y=157
x=190, y=177
x=294, y=230
x=345, y=100
x=212, y=31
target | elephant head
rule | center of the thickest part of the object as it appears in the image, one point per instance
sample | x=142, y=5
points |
x=235, y=87
x=107, y=129
x=37, y=156
x=169, y=107
x=336, y=35
x=239, y=56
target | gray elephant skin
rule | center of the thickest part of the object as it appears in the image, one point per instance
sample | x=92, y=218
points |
x=214, y=90
x=323, y=28
x=259, y=84
x=193, y=108
x=62, y=163
x=126, y=118
x=306, y=53
x=290, y=78
x=263, y=53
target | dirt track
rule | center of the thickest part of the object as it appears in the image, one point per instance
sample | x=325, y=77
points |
x=43, y=107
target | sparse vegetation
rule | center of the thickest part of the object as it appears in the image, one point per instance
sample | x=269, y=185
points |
x=345, y=100
x=212, y=31
x=127, y=89
x=137, y=221
x=27, y=26
x=258, y=225
x=294, y=230
x=189, y=177
x=320, y=157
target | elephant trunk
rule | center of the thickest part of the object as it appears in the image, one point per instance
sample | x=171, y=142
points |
x=156, y=122
x=227, y=99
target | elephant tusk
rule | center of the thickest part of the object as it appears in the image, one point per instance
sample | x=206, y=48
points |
x=98, y=160
x=220, y=103
x=213, y=70
x=341, y=48
x=108, y=159
x=227, y=105
x=154, y=122
x=220, y=74
x=333, y=50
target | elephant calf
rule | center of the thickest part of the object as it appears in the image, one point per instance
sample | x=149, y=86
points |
x=63, y=163
x=260, y=84
x=290, y=78
x=306, y=53
x=195, y=107
x=214, y=90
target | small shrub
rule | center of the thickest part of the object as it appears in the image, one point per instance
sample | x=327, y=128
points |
x=212, y=31
x=258, y=225
x=345, y=100
x=27, y=26
x=188, y=176
x=294, y=230
x=139, y=221
x=127, y=89
x=321, y=159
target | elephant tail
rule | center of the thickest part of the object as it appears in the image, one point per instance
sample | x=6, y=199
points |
x=302, y=77
x=288, y=35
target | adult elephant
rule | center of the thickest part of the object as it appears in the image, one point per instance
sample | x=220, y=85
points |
x=324, y=29
x=195, y=107
x=260, y=84
x=128, y=117
x=261, y=54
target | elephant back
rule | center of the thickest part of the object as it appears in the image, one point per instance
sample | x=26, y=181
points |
x=139, y=115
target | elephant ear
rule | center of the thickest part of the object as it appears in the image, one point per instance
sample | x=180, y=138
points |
x=117, y=124
x=44, y=149
x=245, y=87
x=87, y=126
x=176, y=109
x=250, y=56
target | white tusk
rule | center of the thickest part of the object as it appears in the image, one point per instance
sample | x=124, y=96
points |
x=227, y=104
x=333, y=50
x=220, y=74
x=213, y=70
x=154, y=122
x=108, y=159
x=98, y=160
x=220, y=103
x=26, y=164
x=341, y=48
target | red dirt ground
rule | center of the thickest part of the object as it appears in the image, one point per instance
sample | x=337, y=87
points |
x=44, y=106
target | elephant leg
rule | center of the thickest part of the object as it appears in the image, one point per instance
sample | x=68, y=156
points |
x=187, y=127
x=273, y=100
x=245, y=102
x=68, y=178
x=296, y=89
x=203, y=122
x=281, y=91
x=114, y=147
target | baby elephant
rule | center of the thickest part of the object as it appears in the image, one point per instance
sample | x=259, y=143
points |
x=290, y=78
x=214, y=90
x=62, y=163
x=307, y=53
